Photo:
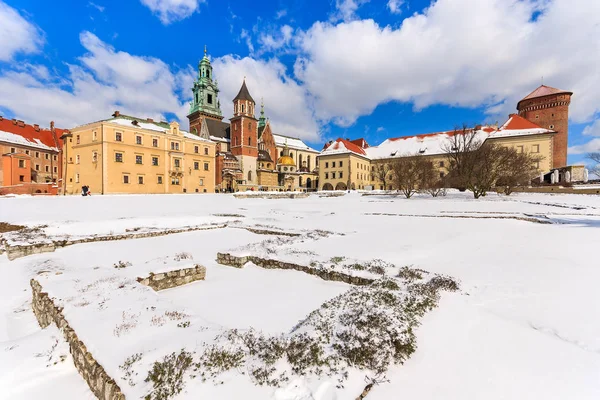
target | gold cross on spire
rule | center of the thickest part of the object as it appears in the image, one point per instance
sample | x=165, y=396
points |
x=204, y=49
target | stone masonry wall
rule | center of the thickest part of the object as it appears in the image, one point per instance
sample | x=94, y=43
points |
x=102, y=385
x=239, y=262
x=171, y=279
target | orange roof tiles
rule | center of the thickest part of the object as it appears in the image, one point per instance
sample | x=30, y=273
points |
x=543, y=90
x=33, y=135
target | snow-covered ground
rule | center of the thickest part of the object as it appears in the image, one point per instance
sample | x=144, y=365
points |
x=525, y=323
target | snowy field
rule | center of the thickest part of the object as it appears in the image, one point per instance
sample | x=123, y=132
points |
x=525, y=323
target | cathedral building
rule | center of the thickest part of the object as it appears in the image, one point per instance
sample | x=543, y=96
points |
x=249, y=155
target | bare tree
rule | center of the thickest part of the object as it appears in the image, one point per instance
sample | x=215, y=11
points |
x=380, y=173
x=409, y=173
x=459, y=149
x=517, y=169
x=595, y=157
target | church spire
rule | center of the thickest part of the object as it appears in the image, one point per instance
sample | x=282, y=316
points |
x=262, y=120
x=205, y=91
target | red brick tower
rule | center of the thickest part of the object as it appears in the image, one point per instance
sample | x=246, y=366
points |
x=549, y=108
x=244, y=129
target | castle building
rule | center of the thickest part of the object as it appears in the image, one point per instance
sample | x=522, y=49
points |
x=30, y=158
x=540, y=128
x=126, y=154
x=248, y=154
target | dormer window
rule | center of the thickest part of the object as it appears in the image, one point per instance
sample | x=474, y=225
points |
x=422, y=151
x=134, y=122
x=393, y=153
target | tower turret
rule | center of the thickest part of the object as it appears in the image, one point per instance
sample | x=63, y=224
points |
x=205, y=101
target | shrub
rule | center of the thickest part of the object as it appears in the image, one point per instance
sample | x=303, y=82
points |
x=167, y=375
x=122, y=264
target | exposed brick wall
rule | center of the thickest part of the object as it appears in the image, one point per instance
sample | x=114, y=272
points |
x=551, y=112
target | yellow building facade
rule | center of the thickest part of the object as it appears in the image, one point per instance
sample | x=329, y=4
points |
x=125, y=154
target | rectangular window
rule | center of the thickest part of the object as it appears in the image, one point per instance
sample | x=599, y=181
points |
x=21, y=163
x=76, y=178
x=138, y=159
x=206, y=151
x=206, y=166
x=196, y=165
x=155, y=142
x=155, y=161
x=201, y=182
x=13, y=150
x=177, y=163
x=172, y=145
x=174, y=181
x=326, y=175
x=138, y=140
x=37, y=167
x=55, y=170
x=37, y=154
x=77, y=159
x=118, y=137
x=47, y=156
x=209, y=98
x=441, y=174
x=119, y=157
x=519, y=149
x=27, y=152
x=535, y=148
x=333, y=175
x=54, y=157
x=326, y=165
x=125, y=178
x=159, y=180
x=196, y=149
x=21, y=178
x=340, y=164
x=537, y=165
x=78, y=139
x=47, y=168
x=94, y=136
x=341, y=175
x=333, y=164
x=140, y=180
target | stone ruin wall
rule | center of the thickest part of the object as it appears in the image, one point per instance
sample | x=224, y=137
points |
x=171, y=279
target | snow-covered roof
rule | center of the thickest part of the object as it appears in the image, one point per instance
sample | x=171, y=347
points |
x=13, y=138
x=152, y=126
x=519, y=126
x=292, y=143
x=343, y=146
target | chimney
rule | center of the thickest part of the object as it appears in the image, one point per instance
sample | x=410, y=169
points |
x=36, y=127
x=149, y=120
x=21, y=123
x=477, y=127
x=1, y=118
x=116, y=113
x=14, y=120
x=52, y=126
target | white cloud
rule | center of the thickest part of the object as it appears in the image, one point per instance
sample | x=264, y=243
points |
x=394, y=6
x=245, y=35
x=280, y=39
x=97, y=6
x=465, y=53
x=169, y=11
x=104, y=80
x=17, y=35
x=380, y=129
x=281, y=13
x=286, y=103
x=592, y=129
x=589, y=147
x=345, y=10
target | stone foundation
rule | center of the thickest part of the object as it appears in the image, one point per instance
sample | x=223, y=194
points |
x=102, y=385
x=282, y=195
x=14, y=252
x=171, y=279
x=239, y=262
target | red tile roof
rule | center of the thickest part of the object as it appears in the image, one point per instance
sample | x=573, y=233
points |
x=517, y=122
x=32, y=134
x=362, y=143
x=543, y=90
x=340, y=143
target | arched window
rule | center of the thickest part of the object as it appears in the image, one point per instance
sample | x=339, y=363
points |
x=281, y=154
x=249, y=175
x=250, y=141
x=308, y=162
x=300, y=160
x=243, y=108
x=292, y=155
x=235, y=108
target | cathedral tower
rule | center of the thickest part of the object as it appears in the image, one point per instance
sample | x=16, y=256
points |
x=244, y=133
x=205, y=102
x=549, y=108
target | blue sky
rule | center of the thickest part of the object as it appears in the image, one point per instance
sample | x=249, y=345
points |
x=349, y=68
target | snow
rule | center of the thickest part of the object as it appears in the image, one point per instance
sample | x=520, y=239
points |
x=9, y=137
x=292, y=143
x=523, y=325
x=153, y=127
